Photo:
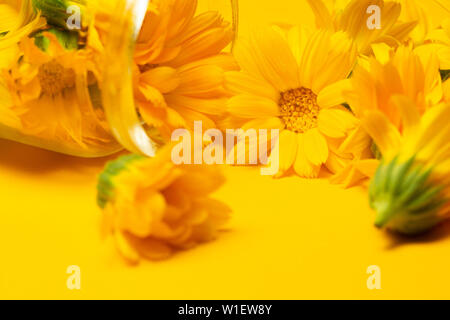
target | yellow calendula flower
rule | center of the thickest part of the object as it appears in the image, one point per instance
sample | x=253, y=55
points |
x=374, y=85
x=45, y=85
x=395, y=73
x=153, y=207
x=353, y=16
x=290, y=80
x=410, y=191
x=180, y=65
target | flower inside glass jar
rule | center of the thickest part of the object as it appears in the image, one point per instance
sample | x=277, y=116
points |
x=124, y=79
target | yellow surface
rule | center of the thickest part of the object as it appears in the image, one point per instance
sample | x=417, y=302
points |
x=289, y=238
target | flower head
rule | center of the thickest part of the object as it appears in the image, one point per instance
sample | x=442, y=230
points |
x=352, y=17
x=180, y=65
x=410, y=191
x=291, y=80
x=153, y=207
x=395, y=73
x=45, y=84
x=374, y=84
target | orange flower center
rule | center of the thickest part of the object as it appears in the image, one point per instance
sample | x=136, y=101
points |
x=54, y=78
x=299, y=109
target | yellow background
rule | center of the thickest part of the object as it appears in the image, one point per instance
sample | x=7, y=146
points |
x=289, y=238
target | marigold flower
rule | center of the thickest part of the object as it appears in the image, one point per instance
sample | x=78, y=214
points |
x=373, y=86
x=411, y=189
x=45, y=85
x=153, y=207
x=351, y=17
x=180, y=65
x=291, y=80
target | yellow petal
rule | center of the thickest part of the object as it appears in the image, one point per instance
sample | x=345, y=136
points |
x=243, y=54
x=201, y=82
x=333, y=94
x=274, y=59
x=385, y=135
x=323, y=16
x=264, y=123
x=125, y=248
x=328, y=58
x=302, y=166
x=164, y=79
x=409, y=113
x=434, y=133
x=356, y=143
x=207, y=43
x=152, y=95
x=316, y=147
x=9, y=18
x=298, y=37
x=382, y=52
x=244, y=83
x=335, y=123
x=153, y=249
x=247, y=106
x=287, y=150
x=368, y=167
x=207, y=106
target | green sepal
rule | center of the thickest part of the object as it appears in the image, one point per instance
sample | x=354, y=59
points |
x=404, y=197
x=55, y=11
x=106, y=185
x=42, y=42
x=375, y=151
x=67, y=39
x=445, y=75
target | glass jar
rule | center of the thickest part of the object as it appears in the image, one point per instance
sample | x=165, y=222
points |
x=67, y=74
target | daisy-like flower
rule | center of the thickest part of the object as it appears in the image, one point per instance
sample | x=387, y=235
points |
x=374, y=85
x=180, y=65
x=47, y=85
x=410, y=191
x=291, y=80
x=153, y=207
x=352, y=17
x=402, y=72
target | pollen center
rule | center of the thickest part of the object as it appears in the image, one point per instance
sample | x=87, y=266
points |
x=54, y=78
x=299, y=109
